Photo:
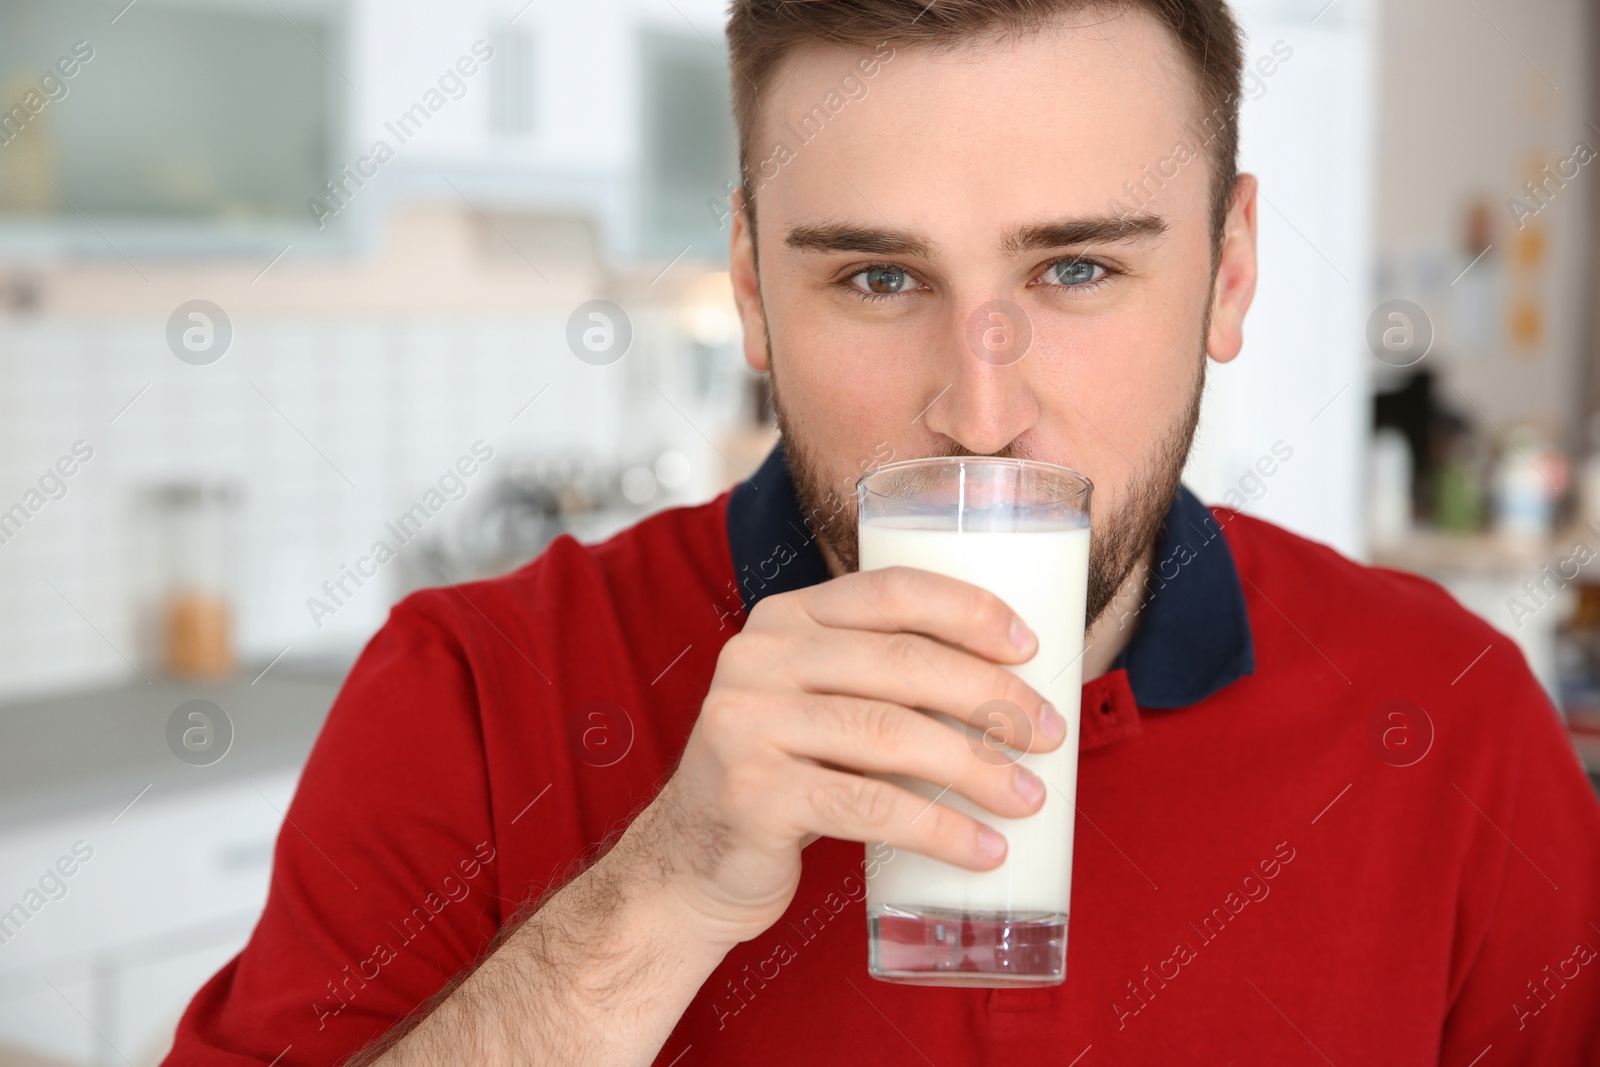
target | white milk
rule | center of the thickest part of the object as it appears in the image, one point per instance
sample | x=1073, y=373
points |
x=1043, y=575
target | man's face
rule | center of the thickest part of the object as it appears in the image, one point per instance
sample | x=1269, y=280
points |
x=995, y=172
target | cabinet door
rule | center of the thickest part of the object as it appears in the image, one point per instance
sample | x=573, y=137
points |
x=168, y=893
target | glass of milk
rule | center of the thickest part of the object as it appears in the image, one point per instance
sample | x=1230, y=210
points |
x=1019, y=529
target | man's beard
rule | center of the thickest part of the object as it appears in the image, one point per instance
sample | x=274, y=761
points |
x=1118, y=542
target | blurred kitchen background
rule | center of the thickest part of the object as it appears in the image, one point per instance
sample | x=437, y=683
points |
x=241, y=344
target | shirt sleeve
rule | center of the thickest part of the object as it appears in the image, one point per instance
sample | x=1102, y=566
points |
x=1527, y=984
x=384, y=875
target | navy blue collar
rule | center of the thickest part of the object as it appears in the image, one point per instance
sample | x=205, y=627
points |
x=1193, y=636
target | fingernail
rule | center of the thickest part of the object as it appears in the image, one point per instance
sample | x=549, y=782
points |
x=1051, y=724
x=990, y=843
x=1028, y=786
x=1021, y=636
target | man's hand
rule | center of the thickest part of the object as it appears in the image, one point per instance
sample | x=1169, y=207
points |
x=819, y=690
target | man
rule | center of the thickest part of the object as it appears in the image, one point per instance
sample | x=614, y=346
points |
x=1324, y=814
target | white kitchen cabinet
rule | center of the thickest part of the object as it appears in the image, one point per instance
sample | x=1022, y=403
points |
x=169, y=863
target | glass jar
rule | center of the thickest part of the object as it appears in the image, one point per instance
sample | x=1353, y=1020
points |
x=193, y=528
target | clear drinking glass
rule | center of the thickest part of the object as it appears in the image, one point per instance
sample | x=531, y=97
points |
x=1019, y=529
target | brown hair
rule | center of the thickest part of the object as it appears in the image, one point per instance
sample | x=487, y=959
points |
x=762, y=32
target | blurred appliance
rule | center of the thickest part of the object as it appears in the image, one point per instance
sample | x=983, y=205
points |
x=539, y=498
x=1389, y=488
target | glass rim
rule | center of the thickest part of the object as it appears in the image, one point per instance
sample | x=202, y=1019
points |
x=1085, y=482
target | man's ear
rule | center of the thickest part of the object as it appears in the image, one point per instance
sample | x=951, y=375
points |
x=1235, y=284
x=746, y=283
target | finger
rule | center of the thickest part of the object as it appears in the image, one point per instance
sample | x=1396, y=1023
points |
x=878, y=737
x=907, y=599
x=856, y=808
x=919, y=672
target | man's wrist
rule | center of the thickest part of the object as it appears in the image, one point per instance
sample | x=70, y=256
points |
x=665, y=894
x=625, y=921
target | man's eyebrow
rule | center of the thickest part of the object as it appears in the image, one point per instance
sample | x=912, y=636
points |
x=867, y=240
x=1093, y=229
x=842, y=237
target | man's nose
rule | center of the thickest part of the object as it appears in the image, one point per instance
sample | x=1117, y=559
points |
x=982, y=364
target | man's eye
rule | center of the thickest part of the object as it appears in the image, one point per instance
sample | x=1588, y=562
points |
x=885, y=281
x=1073, y=272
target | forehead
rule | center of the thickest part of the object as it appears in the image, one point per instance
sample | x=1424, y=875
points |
x=983, y=135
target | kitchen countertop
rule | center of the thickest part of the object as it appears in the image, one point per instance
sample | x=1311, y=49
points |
x=1429, y=551
x=101, y=747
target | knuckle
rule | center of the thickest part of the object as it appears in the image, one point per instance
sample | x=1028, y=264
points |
x=848, y=800
x=939, y=830
x=998, y=786
x=776, y=613
x=732, y=653
x=727, y=708
x=763, y=614
x=1018, y=692
x=833, y=801
x=753, y=652
x=875, y=802
x=939, y=824
x=903, y=654
x=881, y=726
x=748, y=644
x=893, y=588
x=989, y=611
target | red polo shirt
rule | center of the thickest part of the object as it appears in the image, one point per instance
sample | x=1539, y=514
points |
x=1324, y=816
